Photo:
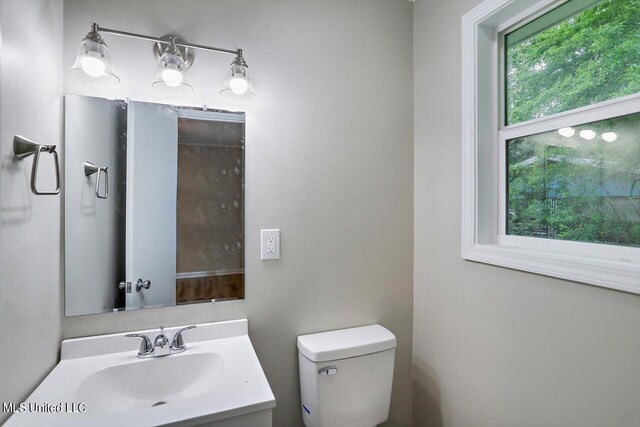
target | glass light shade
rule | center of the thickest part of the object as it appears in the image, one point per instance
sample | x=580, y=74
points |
x=238, y=82
x=93, y=62
x=172, y=72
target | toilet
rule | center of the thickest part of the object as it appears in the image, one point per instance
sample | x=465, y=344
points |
x=346, y=376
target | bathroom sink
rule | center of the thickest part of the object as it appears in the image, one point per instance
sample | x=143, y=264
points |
x=100, y=381
x=146, y=383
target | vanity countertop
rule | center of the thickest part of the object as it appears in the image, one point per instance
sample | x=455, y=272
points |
x=100, y=381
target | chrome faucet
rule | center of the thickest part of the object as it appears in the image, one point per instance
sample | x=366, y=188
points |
x=160, y=346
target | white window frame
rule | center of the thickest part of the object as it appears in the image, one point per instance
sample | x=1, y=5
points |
x=483, y=160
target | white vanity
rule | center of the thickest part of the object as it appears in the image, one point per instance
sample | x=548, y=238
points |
x=101, y=381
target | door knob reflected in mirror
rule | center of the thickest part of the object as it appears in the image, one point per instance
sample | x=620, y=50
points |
x=125, y=285
x=140, y=284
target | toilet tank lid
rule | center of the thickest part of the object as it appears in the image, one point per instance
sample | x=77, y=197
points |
x=344, y=343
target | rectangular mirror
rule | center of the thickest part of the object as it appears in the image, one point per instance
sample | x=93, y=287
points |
x=153, y=205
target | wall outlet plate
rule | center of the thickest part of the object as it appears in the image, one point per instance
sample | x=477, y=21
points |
x=270, y=243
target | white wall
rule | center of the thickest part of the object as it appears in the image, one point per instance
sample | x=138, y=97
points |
x=30, y=105
x=497, y=347
x=328, y=160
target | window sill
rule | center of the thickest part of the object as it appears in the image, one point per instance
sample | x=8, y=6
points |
x=622, y=276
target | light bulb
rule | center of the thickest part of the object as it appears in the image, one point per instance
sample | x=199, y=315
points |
x=587, y=134
x=172, y=78
x=567, y=132
x=238, y=85
x=93, y=66
x=609, y=136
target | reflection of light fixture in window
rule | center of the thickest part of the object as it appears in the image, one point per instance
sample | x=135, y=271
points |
x=609, y=136
x=174, y=55
x=587, y=134
x=567, y=132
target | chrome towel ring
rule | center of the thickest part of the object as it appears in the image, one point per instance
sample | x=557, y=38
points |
x=90, y=169
x=23, y=148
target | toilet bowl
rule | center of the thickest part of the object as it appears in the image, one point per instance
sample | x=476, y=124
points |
x=346, y=376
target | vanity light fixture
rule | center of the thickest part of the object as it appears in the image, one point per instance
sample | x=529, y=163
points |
x=93, y=60
x=238, y=81
x=174, y=54
x=172, y=70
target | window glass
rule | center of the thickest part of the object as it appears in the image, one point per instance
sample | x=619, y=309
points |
x=580, y=183
x=580, y=53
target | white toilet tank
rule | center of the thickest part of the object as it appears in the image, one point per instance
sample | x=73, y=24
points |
x=346, y=376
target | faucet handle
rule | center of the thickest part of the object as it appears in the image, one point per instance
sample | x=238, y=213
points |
x=146, y=347
x=178, y=343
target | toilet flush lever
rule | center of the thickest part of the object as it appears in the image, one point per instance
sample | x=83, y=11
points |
x=328, y=370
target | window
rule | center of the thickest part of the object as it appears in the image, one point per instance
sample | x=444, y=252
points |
x=569, y=58
x=579, y=183
x=551, y=139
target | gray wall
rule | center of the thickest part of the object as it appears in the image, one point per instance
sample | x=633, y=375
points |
x=30, y=105
x=328, y=161
x=497, y=347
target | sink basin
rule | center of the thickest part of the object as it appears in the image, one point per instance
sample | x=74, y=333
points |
x=100, y=381
x=147, y=383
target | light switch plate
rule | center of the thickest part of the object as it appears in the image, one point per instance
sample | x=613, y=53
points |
x=270, y=244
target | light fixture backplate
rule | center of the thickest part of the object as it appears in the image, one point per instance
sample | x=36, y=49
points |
x=187, y=54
